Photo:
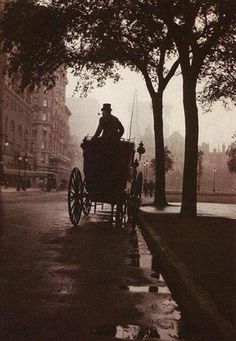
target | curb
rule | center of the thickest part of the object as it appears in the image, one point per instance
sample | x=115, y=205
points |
x=195, y=302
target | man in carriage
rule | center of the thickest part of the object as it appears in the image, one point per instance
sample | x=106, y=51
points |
x=110, y=174
x=109, y=125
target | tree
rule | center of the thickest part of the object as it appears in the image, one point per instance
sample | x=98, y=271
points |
x=169, y=161
x=231, y=153
x=2, y=67
x=199, y=169
x=198, y=27
x=219, y=75
x=93, y=37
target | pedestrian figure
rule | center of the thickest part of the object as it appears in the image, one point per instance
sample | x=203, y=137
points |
x=23, y=184
x=151, y=188
x=145, y=188
x=109, y=125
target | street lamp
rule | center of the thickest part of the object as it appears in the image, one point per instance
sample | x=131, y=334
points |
x=19, y=169
x=146, y=163
x=24, y=186
x=214, y=180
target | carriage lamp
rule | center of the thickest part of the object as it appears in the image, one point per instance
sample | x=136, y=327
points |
x=141, y=149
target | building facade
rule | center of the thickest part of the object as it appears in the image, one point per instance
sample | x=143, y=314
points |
x=51, y=132
x=35, y=134
x=215, y=173
x=16, y=122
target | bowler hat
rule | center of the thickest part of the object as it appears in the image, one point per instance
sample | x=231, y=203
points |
x=106, y=106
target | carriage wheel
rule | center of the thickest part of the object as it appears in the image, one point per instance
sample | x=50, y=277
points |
x=74, y=196
x=86, y=202
x=120, y=214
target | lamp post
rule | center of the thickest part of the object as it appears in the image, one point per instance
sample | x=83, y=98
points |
x=214, y=180
x=19, y=169
x=146, y=163
x=24, y=182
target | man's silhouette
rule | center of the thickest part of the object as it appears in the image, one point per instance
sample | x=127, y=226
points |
x=109, y=125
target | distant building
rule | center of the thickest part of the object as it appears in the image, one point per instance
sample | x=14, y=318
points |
x=35, y=138
x=51, y=133
x=215, y=170
x=75, y=152
x=175, y=143
x=143, y=118
x=84, y=119
x=16, y=137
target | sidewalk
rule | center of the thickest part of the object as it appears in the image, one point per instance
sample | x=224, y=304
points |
x=13, y=190
x=198, y=257
x=203, y=209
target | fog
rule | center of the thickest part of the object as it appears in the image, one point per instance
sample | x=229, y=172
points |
x=216, y=127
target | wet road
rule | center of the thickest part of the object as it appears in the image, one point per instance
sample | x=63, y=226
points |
x=94, y=282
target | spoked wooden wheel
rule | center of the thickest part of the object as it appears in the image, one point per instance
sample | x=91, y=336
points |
x=86, y=202
x=74, y=196
x=120, y=214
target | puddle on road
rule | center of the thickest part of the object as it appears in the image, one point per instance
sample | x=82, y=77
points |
x=127, y=332
x=144, y=288
x=164, y=331
x=157, y=304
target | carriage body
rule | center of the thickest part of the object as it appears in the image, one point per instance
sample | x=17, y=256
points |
x=110, y=176
x=107, y=169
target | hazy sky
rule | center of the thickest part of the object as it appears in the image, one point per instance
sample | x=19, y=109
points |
x=216, y=127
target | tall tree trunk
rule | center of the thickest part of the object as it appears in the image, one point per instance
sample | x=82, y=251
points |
x=189, y=194
x=1, y=104
x=160, y=195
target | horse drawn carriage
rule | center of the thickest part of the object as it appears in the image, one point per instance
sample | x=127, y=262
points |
x=110, y=176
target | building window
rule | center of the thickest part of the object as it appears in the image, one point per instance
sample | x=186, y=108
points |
x=35, y=100
x=42, y=157
x=43, y=145
x=35, y=114
x=45, y=102
x=44, y=117
x=44, y=135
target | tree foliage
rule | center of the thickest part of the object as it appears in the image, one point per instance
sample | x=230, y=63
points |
x=219, y=74
x=198, y=28
x=95, y=36
x=90, y=37
x=35, y=41
x=231, y=153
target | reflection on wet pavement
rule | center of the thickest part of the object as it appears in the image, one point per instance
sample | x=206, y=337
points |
x=157, y=304
x=160, y=315
x=67, y=283
x=127, y=332
x=144, y=288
